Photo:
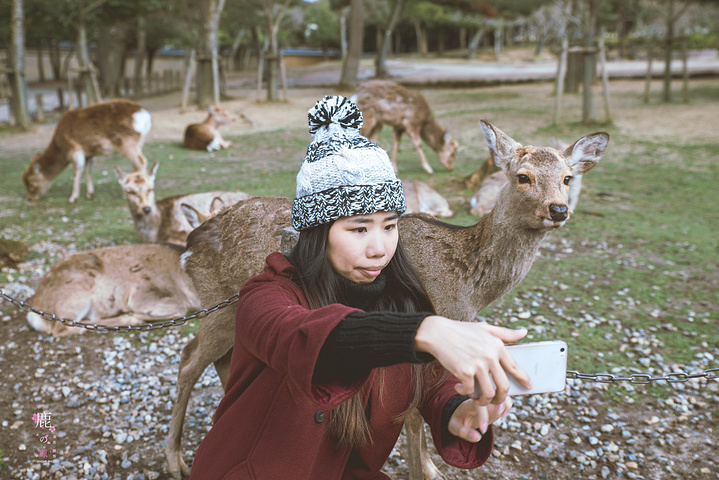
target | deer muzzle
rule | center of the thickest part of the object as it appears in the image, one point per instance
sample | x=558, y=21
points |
x=558, y=213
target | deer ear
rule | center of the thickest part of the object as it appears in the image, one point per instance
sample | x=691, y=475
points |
x=217, y=205
x=120, y=174
x=501, y=145
x=153, y=170
x=191, y=214
x=586, y=152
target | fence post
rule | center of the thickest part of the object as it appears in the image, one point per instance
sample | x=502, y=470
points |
x=40, y=112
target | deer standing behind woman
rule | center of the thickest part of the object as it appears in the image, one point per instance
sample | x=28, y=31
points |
x=163, y=221
x=463, y=269
x=384, y=102
x=82, y=134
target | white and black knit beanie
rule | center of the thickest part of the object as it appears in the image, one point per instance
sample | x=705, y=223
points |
x=343, y=173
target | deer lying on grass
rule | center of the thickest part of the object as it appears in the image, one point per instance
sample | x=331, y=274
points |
x=421, y=198
x=120, y=285
x=206, y=135
x=82, y=134
x=384, y=102
x=163, y=221
x=463, y=268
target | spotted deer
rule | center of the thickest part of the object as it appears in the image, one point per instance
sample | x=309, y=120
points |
x=119, y=285
x=463, y=269
x=384, y=102
x=163, y=221
x=206, y=135
x=82, y=134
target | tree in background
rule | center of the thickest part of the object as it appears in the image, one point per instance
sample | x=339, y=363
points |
x=350, y=65
x=322, y=27
x=17, y=67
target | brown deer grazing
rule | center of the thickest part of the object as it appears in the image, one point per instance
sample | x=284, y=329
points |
x=384, y=102
x=82, y=134
x=463, y=268
x=163, y=221
x=120, y=285
x=206, y=135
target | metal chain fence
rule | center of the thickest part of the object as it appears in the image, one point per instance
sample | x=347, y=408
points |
x=636, y=378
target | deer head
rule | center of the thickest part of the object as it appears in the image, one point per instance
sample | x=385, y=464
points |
x=539, y=176
x=139, y=188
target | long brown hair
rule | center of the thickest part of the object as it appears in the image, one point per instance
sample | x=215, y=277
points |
x=348, y=424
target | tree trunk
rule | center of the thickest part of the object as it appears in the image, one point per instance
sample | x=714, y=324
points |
x=343, y=31
x=55, y=63
x=668, y=47
x=40, y=63
x=589, y=62
x=17, y=64
x=234, y=63
x=140, y=55
x=87, y=70
x=272, y=61
x=110, y=57
x=474, y=43
x=350, y=67
x=207, y=83
x=421, y=38
x=380, y=65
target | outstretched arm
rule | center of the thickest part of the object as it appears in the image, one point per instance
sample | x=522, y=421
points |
x=471, y=350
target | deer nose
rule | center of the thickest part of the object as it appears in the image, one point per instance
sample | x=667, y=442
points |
x=559, y=213
x=148, y=209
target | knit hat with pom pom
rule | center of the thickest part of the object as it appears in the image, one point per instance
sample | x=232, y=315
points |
x=343, y=173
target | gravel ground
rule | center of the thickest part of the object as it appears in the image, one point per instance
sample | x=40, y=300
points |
x=110, y=398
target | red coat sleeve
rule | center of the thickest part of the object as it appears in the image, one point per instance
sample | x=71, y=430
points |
x=275, y=325
x=457, y=452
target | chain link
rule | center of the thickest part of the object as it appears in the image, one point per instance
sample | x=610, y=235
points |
x=174, y=322
x=644, y=378
x=635, y=378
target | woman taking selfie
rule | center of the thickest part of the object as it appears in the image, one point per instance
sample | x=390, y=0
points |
x=337, y=344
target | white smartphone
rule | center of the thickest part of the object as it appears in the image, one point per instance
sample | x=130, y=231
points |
x=544, y=362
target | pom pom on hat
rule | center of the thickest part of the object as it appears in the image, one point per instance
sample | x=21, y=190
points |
x=343, y=173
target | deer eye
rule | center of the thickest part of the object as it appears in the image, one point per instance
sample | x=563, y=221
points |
x=567, y=179
x=523, y=179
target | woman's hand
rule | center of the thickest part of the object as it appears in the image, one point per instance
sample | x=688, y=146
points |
x=470, y=350
x=470, y=416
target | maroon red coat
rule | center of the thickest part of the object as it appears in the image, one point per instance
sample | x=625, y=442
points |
x=271, y=423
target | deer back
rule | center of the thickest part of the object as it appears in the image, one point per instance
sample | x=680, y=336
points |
x=230, y=248
x=145, y=280
x=199, y=135
x=421, y=197
x=174, y=225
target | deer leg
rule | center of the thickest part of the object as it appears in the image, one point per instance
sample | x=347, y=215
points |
x=419, y=461
x=88, y=179
x=417, y=142
x=397, y=135
x=193, y=362
x=222, y=366
x=131, y=149
x=224, y=144
x=78, y=164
